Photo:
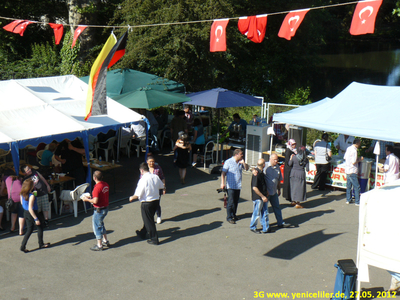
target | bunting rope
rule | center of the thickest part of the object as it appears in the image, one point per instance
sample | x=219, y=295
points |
x=194, y=22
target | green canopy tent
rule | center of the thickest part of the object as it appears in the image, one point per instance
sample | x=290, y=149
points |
x=149, y=98
x=122, y=81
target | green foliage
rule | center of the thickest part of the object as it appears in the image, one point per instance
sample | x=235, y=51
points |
x=43, y=62
x=396, y=11
x=297, y=97
x=70, y=63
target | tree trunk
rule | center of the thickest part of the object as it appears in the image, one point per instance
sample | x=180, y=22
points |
x=75, y=18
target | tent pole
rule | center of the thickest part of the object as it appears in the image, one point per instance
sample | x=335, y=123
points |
x=217, y=137
x=119, y=142
x=377, y=152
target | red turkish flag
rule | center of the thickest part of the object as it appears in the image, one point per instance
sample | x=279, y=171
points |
x=218, y=35
x=78, y=31
x=18, y=26
x=10, y=27
x=58, y=32
x=364, y=17
x=253, y=27
x=291, y=23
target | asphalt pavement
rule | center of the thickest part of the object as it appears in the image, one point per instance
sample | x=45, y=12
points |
x=200, y=256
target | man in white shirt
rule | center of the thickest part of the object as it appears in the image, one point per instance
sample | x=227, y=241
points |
x=352, y=160
x=382, y=148
x=343, y=142
x=147, y=191
x=391, y=166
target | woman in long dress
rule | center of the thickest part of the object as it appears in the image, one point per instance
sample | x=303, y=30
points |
x=290, y=150
x=299, y=163
x=182, y=148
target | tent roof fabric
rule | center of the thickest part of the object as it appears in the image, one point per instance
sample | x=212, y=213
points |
x=362, y=110
x=52, y=107
x=122, y=81
x=221, y=98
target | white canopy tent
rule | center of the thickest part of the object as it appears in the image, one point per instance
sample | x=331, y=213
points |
x=368, y=111
x=377, y=230
x=52, y=108
x=363, y=110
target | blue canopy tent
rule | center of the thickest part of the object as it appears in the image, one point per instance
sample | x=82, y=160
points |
x=52, y=108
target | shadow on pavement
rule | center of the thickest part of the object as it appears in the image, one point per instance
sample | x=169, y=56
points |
x=302, y=218
x=173, y=234
x=292, y=248
x=191, y=215
x=77, y=239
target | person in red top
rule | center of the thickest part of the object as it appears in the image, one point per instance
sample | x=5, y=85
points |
x=99, y=200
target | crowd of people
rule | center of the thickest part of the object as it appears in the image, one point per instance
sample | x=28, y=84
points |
x=30, y=191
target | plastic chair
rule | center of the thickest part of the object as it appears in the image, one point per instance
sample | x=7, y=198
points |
x=107, y=146
x=74, y=197
x=167, y=135
x=39, y=156
x=3, y=155
x=208, y=153
x=142, y=144
x=126, y=142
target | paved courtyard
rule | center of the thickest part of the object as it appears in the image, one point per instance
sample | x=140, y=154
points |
x=200, y=255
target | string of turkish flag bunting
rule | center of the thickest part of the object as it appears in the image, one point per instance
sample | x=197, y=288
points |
x=254, y=27
x=19, y=26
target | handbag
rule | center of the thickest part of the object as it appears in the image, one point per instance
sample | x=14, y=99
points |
x=10, y=204
x=327, y=157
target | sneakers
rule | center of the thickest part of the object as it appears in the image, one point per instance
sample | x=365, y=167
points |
x=194, y=164
x=96, y=248
x=284, y=225
x=105, y=244
x=231, y=221
x=158, y=220
x=255, y=231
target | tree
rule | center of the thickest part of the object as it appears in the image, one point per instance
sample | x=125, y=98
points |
x=181, y=52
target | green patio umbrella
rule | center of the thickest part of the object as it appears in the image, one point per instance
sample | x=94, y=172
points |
x=122, y=81
x=148, y=98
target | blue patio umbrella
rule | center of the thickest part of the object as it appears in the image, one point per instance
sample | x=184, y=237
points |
x=222, y=98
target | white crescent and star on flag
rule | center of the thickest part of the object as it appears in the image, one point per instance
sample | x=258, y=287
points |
x=296, y=18
x=219, y=27
x=370, y=9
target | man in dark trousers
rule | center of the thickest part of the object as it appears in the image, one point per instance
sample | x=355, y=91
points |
x=148, y=193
